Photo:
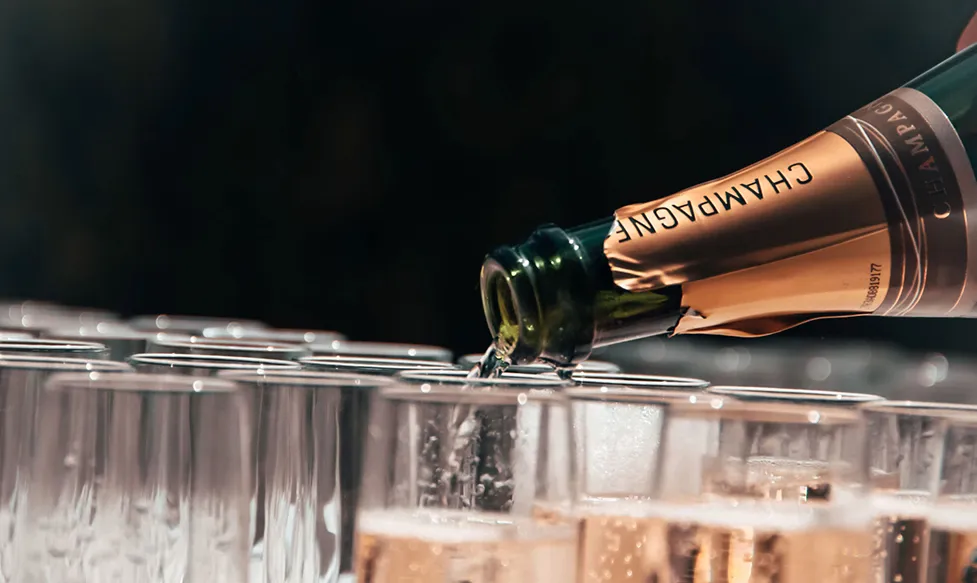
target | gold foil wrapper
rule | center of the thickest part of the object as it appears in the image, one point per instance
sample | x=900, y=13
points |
x=866, y=217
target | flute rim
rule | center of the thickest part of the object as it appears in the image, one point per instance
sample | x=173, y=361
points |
x=374, y=362
x=640, y=396
x=516, y=395
x=331, y=349
x=211, y=361
x=27, y=361
x=798, y=413
x=594, y=379
x=455, y=377
x=135, y=382
x=796, y=395
x=191, y=341
x=921, y=408
x=268, y=334
x=307, y=378
x=52, y=345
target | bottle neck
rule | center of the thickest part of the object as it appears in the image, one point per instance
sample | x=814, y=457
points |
x=952, y=85
x=552, y=298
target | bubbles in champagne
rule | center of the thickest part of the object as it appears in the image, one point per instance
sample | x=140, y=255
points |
x=625, y=541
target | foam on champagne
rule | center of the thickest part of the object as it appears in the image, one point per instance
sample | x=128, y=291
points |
x=904, y=504
x=423, y=546
x=763, y=515
x=958, y=516
x=452, y=527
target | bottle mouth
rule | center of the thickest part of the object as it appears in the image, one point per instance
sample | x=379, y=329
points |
x=501, y=313
x=509, y=302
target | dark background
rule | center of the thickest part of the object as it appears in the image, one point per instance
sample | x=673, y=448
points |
x=343, y=164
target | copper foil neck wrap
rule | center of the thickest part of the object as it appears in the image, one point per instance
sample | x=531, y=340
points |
x=866, y=217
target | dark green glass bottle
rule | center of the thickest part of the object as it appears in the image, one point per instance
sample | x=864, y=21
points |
x=882, y=210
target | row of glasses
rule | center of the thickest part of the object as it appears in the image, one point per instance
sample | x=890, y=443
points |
x=195, y=367
x=198, y=367
x=354, y=404
x=151, y=477
x=628, y=418
x=610, y=478
x=304, y=523
x=490, y=431
x=104, y=473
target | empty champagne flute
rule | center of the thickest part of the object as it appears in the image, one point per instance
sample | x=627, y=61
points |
x=381, y=350
x=204, y=364
x=454, y=472
x=210, y=366
x=165, y=496
x=303, y=469
x=354, y=417
x=21, y=376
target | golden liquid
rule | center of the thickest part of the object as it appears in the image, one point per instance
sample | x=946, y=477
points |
x=919, y=543
x=628, y=547
x=450, y=547
x=952, y=556
x=901, y=549
x=910, y=551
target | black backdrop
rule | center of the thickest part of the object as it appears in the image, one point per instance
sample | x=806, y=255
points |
x=346, y=164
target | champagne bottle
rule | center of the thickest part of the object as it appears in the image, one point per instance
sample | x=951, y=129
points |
x=866, y=217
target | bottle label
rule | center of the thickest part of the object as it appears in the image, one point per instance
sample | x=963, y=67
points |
x=865, y=217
